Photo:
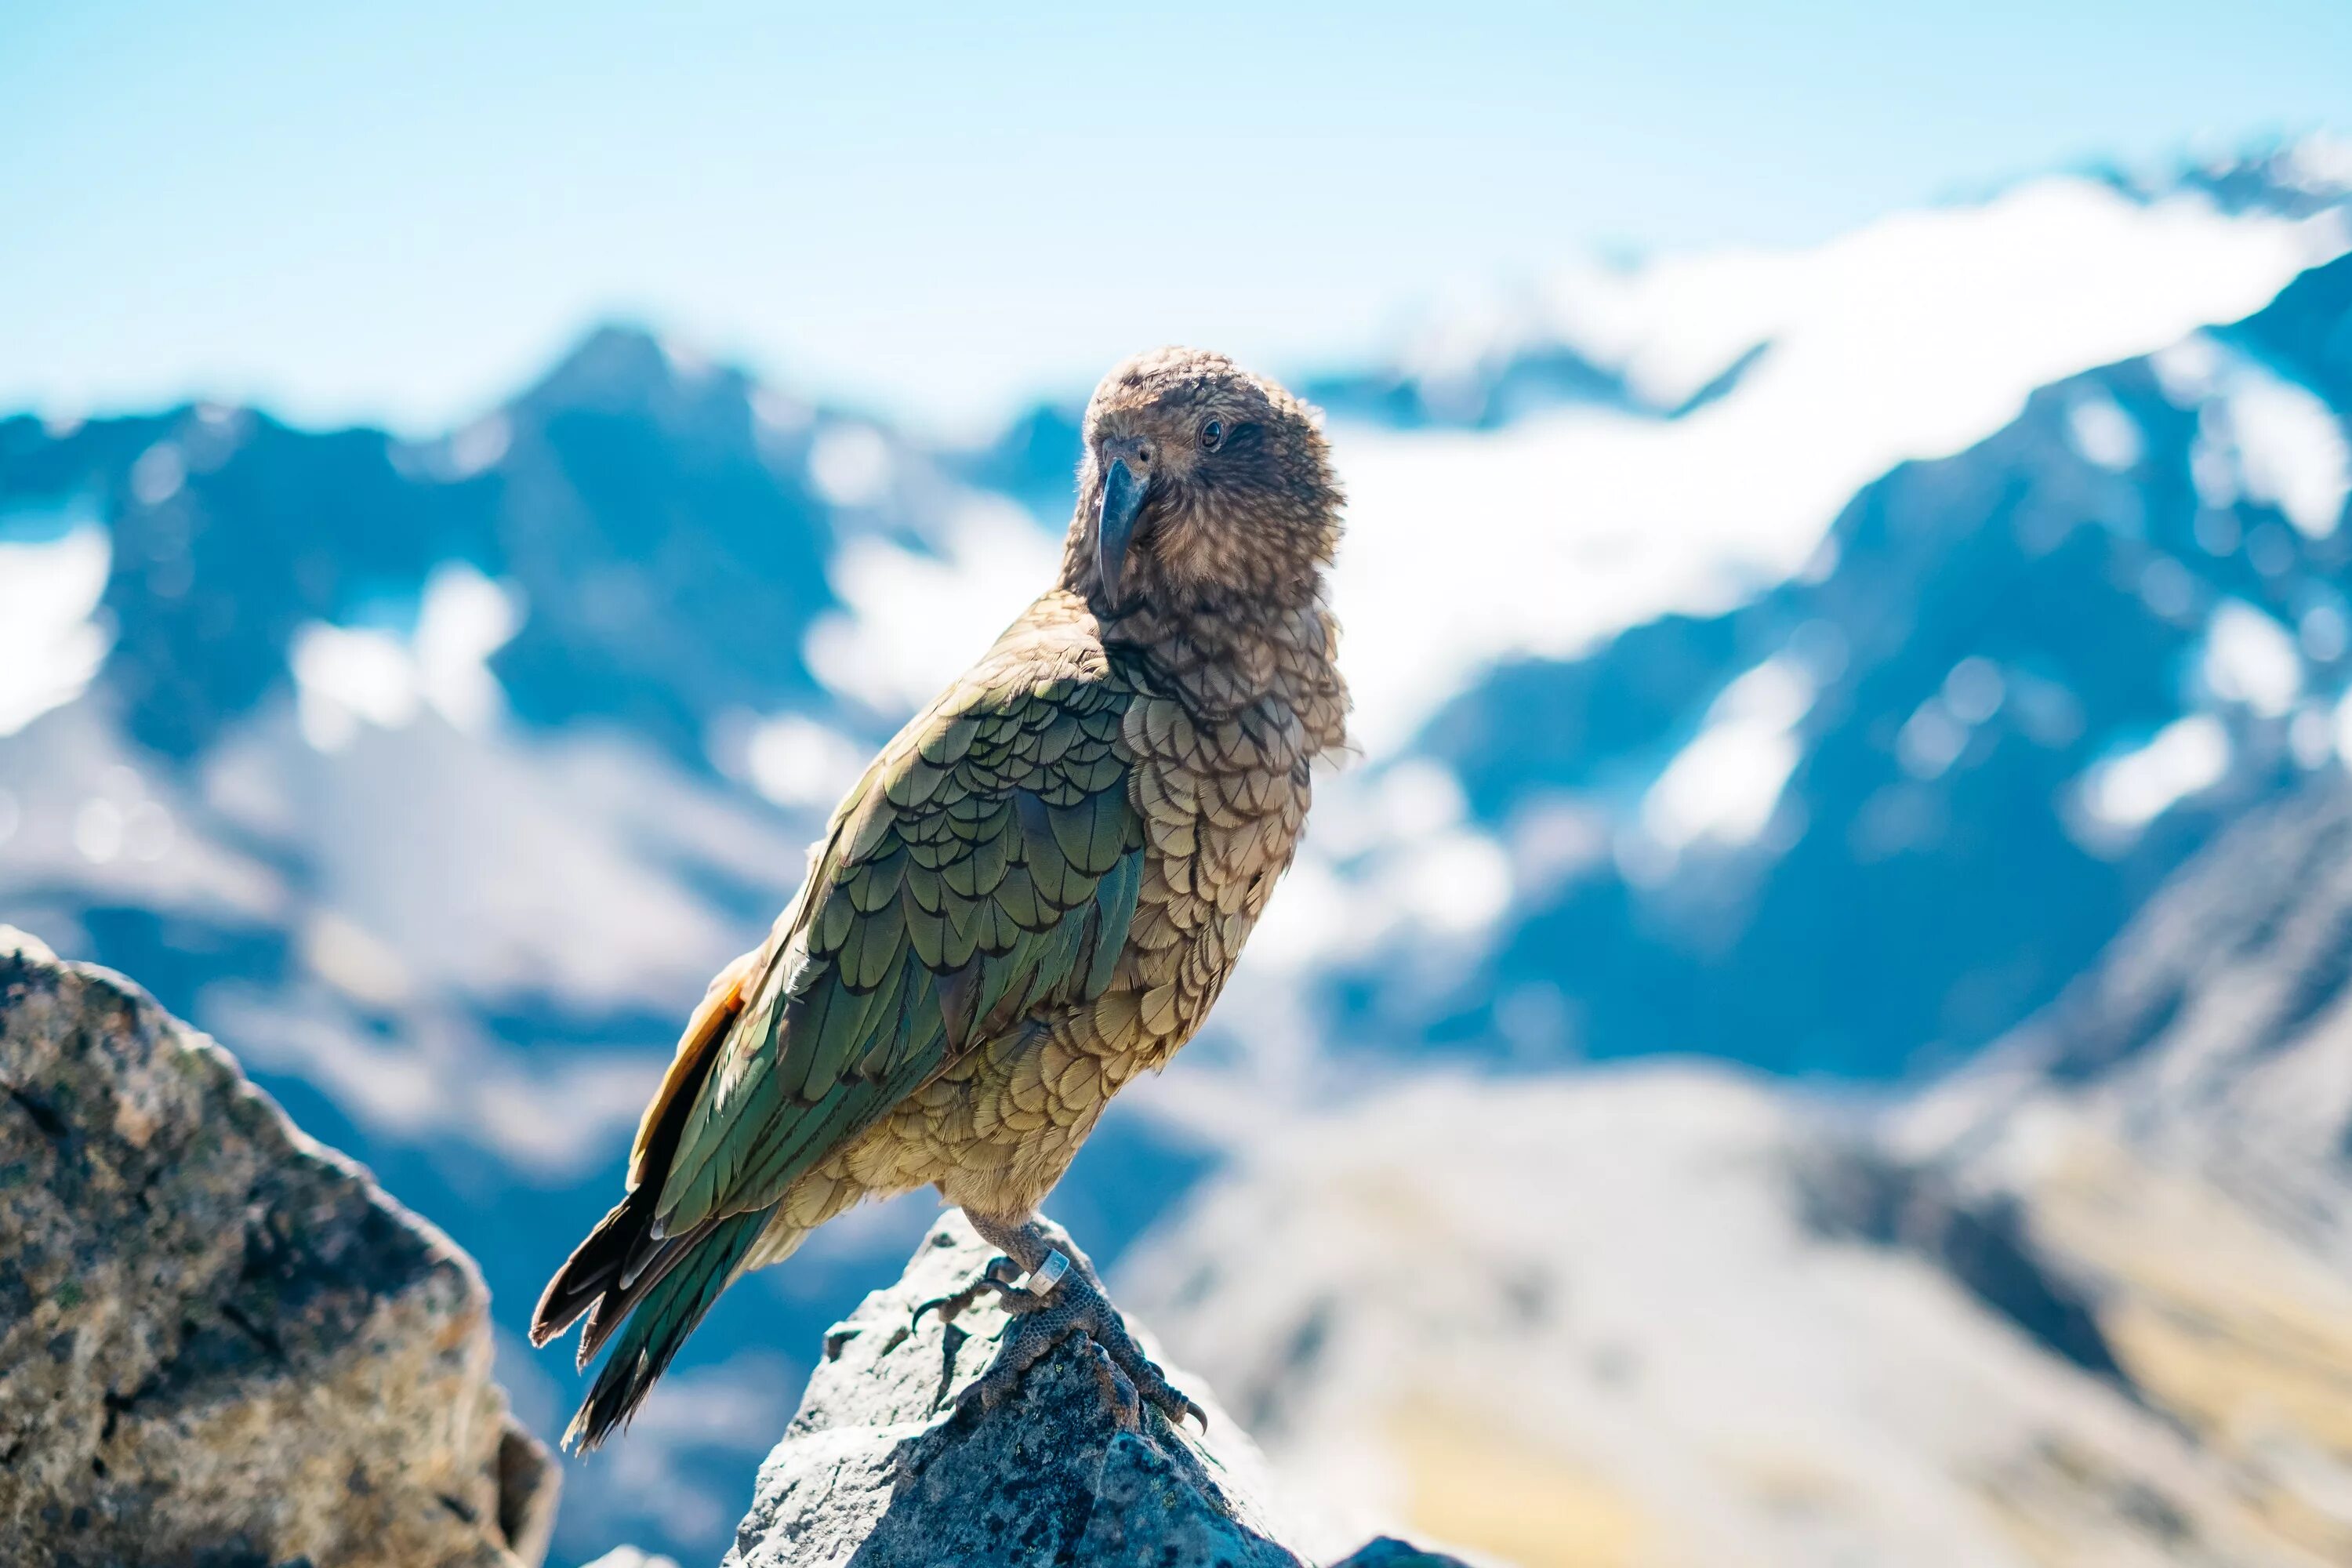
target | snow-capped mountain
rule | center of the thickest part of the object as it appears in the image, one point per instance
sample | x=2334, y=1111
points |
x=2087, y=1299
x=1806, y=657
x=1887, y=802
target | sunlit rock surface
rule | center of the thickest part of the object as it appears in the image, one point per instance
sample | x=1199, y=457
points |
x=875, y=1469
x=219, y=1341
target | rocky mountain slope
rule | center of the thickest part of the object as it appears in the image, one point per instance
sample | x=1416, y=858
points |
x=219, y=1341
x=1869, y=820
x=1652, y=1316
x=2214, y=1038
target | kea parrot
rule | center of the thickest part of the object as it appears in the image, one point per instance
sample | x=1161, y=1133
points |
x=1034, y=892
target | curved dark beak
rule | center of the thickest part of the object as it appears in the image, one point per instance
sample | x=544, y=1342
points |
x=1123, y=502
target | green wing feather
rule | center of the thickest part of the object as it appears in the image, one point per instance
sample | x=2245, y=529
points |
x=986, y=865
x=670, y=1310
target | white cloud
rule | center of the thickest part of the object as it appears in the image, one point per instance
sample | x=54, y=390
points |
x=1911, y=338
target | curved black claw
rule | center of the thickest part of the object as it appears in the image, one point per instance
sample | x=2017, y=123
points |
x=1077, y=1305
x=956, y=1302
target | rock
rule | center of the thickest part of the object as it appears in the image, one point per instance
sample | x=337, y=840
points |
x=220, y=1343
x=875, y=1467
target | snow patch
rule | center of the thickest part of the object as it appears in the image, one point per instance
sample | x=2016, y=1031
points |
x=51, y=643
x=344, y=676
x=850, y=465
x=440, y=1077
x=2250, y=659
x=913, y=620
x=2133, y=790
x=479, y=447
x=158, y=475
x=800, y=763
x=1724, y=785
x=507, y=867
x=2103, y=433
x=2290, y=448
x=82, y=806
x=1388, y=851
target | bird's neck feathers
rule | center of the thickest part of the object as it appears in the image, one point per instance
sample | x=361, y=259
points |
x=1226, y=610
x=1221, y=656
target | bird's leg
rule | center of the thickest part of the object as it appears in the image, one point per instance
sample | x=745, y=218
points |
x=997, y=1276
x=1062, y=1296
x=1023, y=1254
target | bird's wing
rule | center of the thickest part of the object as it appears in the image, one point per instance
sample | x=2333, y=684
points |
x=987, y=864
x=721, y=1003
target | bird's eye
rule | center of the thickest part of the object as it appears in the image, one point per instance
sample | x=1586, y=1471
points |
x=1213, y=434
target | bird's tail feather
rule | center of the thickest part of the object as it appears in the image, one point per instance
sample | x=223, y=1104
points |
x=666, y=1310
x=623, y=1257
x=595, y=1266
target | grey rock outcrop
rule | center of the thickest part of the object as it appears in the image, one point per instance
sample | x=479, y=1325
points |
x=220, y=1343
x=875, y=1468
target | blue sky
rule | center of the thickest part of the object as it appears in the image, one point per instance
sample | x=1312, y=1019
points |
x=400, y=213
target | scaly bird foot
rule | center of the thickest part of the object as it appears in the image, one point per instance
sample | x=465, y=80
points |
x=998, y=1276
x=1058, y=1300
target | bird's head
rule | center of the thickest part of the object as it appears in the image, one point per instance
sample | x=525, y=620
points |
x=1201, y=484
